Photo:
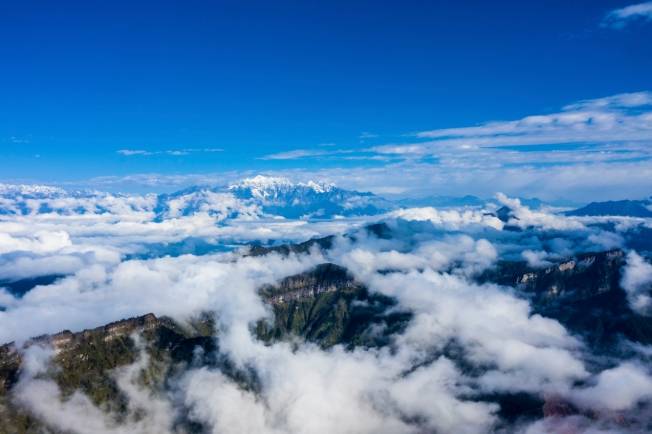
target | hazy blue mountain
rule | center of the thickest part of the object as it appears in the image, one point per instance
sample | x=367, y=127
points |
x=628, y=208
x=464, y=201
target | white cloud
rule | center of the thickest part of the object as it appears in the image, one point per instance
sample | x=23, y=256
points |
x=146, y=413
x=589, y=150
x=524, y=217
x=637, y=282
x=306, y=153
x=294, y=155
x=130, y=152
x=619, y=18
x=173, y=152
x=367, y=135
x=478, y=173
x=601, y=120
x=401, y=149
x=450, y=219
x=411, y=386
x=536, y=259
x=618, y=388
x=41, y=242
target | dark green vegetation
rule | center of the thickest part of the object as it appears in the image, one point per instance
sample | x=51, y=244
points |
x=325, y=306
x=328, y=307
x=85, y=361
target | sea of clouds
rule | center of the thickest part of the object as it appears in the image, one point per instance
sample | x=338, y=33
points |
x=119, y=259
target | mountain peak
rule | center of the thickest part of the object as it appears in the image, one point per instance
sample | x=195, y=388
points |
x=263, y=186
x=628, y=208
x=30, y=190
x=262, y=181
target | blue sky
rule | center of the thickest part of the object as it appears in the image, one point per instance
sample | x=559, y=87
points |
x=190, y=89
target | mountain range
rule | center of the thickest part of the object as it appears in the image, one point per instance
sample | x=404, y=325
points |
x=262, y=196
x=625, y=208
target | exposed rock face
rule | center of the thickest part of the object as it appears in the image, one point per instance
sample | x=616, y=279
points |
x=556, y=406
x=323, y=278
x=9, y=362
x=584, y=276
x=67, y=340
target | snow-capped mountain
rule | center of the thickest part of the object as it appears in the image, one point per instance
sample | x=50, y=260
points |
x=251, y=198
x=270, y=196
x=30, y=190
x=279, y=196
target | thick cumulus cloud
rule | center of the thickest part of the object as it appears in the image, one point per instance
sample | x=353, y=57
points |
x=450, y=219
x=178, y=287
x=41, y=242
x=523, y=216
x=415, y=384
x=619, y=388
x=523, y=351
x=312, y=391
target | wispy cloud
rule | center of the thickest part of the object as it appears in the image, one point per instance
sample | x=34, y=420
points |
x=619, y=18
x=19, y=140
x=623, y=117
x=367, y=135
x=174, y=152
x=306, y=153
x=130, y=152
x=404, y=150
x=294, y=155
x=614, y=126
x=589, y=149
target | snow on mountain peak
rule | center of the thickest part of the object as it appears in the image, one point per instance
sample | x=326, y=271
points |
x=30, y=189
x=264, y=186
x=253, y=197
x=320, y=187
x=262, y=181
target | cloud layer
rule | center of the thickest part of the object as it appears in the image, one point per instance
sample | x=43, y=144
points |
x=429, y=266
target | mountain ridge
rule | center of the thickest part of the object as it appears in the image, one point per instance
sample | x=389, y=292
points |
x=624, y=208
